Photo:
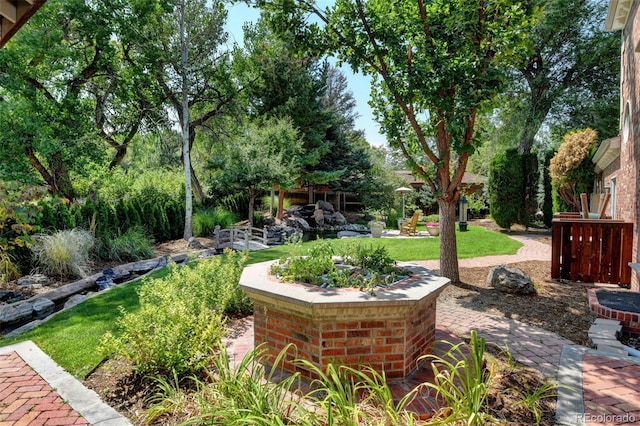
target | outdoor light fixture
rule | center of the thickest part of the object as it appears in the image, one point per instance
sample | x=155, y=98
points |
x=403, y=190
x=464, y=206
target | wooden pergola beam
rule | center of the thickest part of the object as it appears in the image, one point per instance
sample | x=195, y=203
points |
x=14, y=14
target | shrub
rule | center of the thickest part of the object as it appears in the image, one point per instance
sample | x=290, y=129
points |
x=505, y=188
x=63, y=253
x=362, y=266
x=266, y=201
x=179, y=322
x=204, y=221
x=570, y=170
x=132, y=245
x=432, y=218
x=18, y=218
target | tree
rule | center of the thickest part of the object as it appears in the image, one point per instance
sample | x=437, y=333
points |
x=265, y=154
x=434, y=66
x=571, y=172
x=69, y=92
x=46, y=117
x=183, y=47
x=573, y=69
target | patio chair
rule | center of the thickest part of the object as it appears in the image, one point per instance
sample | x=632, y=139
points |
x=409, y=227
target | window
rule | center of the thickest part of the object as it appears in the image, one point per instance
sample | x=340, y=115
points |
x=626, y=123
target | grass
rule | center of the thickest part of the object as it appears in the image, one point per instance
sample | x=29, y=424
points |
x=71, y=337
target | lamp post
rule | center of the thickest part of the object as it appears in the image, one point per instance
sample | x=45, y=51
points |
x=403, y=190
x=464, y=205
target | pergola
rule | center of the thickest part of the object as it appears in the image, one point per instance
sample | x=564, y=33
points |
x=14, y=14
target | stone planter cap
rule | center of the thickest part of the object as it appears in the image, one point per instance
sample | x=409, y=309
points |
x=423, y=283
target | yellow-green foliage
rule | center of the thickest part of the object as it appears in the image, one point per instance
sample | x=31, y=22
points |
x=180, y=319
x=572, y=152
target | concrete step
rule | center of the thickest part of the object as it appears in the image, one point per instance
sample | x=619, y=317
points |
x=606, y=342
x=606, y=321
x=599, y=329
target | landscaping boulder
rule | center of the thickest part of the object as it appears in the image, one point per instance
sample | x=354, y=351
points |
x=318, y=216
x=339, y=219
x=15, y=313
x=298, y=222
x=510, y=280
x=75, y=299
x=33, y=281
x=43, y=307
x=324, y=205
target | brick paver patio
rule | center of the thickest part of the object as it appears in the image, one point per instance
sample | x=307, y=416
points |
x=27, y=399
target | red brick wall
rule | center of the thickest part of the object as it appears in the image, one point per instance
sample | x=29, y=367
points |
x=627, y=191
x=391, y=345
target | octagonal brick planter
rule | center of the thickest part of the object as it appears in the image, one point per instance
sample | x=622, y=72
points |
x=388, y=331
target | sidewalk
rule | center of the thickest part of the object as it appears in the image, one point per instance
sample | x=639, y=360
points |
x=605, y=389
x=35, y=391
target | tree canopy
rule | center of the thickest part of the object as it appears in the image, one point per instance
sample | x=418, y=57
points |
x=434, y=65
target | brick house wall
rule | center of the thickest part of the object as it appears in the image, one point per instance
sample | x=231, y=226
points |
x=625, y=169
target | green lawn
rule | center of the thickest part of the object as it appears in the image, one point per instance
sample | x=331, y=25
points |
x=71, y=337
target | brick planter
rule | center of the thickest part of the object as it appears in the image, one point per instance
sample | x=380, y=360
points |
x=388, y=331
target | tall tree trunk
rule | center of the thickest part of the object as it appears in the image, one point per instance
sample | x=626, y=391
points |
x=186, y=153
x=536, y=114
x=58, y=178
x=448, y=243
x=196, y=187
x=252, y=201
x=280, y=203
x=61, y=175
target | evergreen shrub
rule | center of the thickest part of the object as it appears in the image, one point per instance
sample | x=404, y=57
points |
x=505, y=188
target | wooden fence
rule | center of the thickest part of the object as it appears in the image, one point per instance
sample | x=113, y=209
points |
x=591, y=250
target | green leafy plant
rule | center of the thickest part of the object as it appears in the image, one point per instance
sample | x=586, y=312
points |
x=63, y=253
x=352, y=397
x=179, y=322
x=533, y=398
x=358, y=266
x=462, y=381
x=132, y=245
x=18, y=216
x=204, y=221
x=245, y=393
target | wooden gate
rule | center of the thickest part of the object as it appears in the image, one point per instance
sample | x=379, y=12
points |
x=591, y=250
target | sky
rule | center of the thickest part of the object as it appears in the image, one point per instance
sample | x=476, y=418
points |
x=359, y=85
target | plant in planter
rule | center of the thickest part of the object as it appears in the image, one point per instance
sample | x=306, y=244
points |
x=355, y=265
x=309, y=306
x=433, y=228
x=433, y=225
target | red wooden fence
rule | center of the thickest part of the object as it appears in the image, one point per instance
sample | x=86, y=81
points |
x=591, y=250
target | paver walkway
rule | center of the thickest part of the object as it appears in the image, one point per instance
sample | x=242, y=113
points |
x=27, y=399
x=605, y=389
x=35, y=391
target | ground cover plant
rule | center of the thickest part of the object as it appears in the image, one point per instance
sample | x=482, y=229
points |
x=355, y=264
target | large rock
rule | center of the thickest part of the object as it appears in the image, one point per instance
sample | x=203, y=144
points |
x=15, y=313
x=33, y=281
x=299, y=223
x=43, y=307
x=339, y=218
x=510, y=280
x=318, y=216
x=75, y=299
x=325, y=205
